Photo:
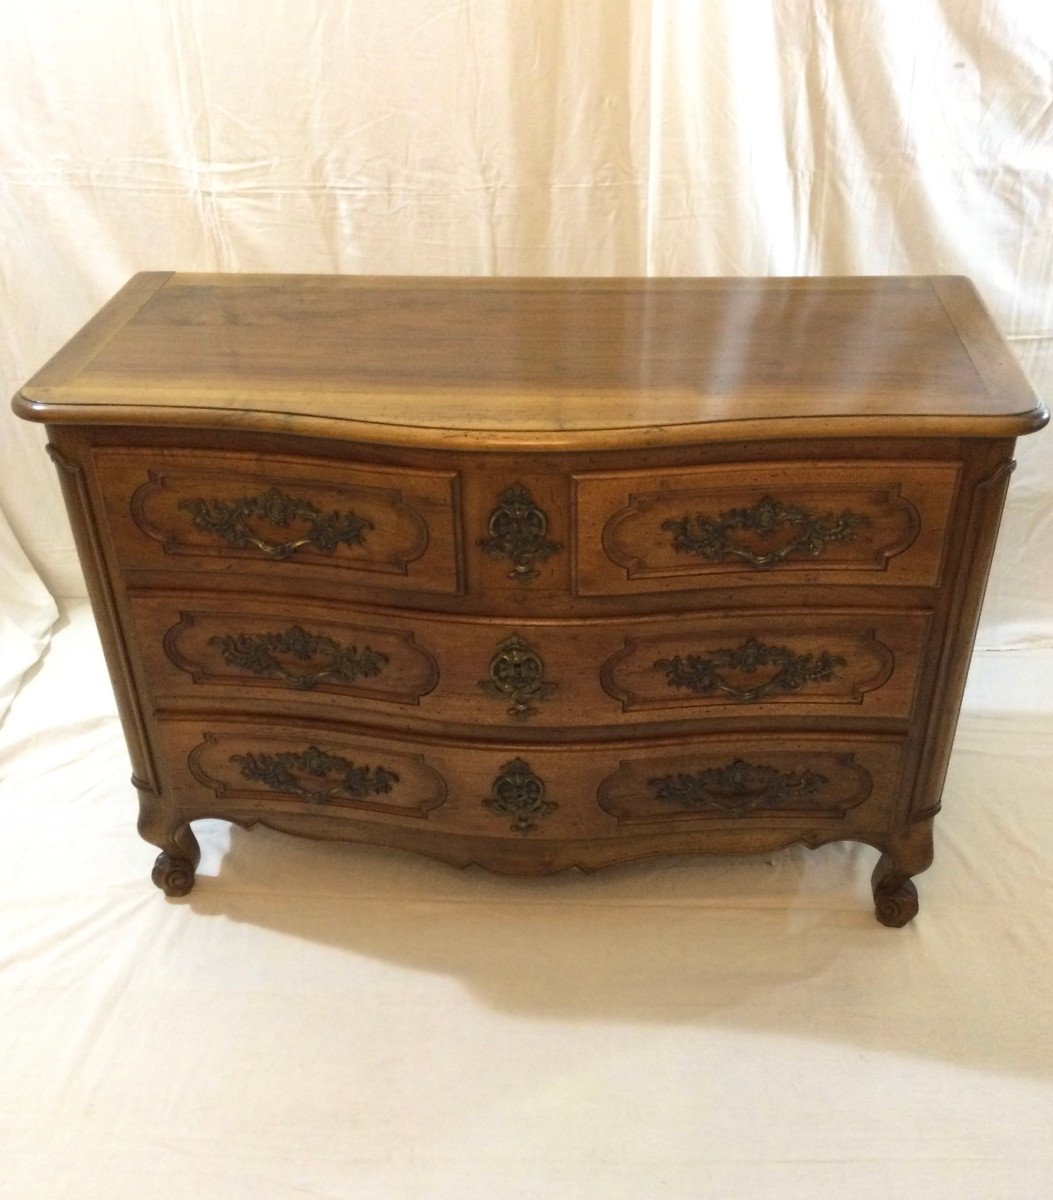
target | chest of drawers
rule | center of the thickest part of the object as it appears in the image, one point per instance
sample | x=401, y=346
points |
x=539, y=574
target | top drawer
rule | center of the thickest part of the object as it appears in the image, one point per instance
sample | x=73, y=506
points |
x=795, y=523
x=181, y=510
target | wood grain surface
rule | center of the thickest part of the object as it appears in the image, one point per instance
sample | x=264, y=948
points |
x=543, y=362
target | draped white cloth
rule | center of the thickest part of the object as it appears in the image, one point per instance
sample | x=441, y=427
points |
x=675, y=1031
x=521, y=137
x=27, y=613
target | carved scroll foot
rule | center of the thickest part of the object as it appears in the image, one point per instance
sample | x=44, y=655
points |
x=175, y=866
x=894, y=903
x=907, y=852
x=174, y=876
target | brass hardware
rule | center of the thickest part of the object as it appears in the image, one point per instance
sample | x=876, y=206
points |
x=737, y=788
x=517, y=674
x=519, y=793
x=518, y=531
x=702, y=675
x=229, y=520
x=712, y=537
x=281, y=772
x=258, y=654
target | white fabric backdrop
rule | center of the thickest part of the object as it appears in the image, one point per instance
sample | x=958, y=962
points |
x=27, y=613
x=328, y=1021
x=525, y=137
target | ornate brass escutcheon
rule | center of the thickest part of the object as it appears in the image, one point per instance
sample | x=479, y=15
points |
x=703, y=674
x=229, y=520
x=519, y=793
x=713, y=537
x=517, y=674
x=518, y=531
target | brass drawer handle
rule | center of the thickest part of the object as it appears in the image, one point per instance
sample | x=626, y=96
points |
x=517, y=673
x=702, y=675
x=519, y=793
x=737, y=789
x=229, y=520
x=712, y=537
x=283, y=772
x=518, y=531
x=258, y=654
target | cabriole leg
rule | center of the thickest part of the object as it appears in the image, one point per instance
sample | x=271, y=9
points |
x=175, y=866
x=906, y=852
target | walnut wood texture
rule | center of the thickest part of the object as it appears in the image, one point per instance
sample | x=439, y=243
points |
x=603, y=673
x=228, y=768
x=200, y=515
x=844, y=522
x=539, y=574
x=561, y=363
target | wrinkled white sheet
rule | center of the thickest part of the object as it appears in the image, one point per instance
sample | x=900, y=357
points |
x=323, y=1021
x=527, y=137
x=27, y=613
x=319, y=1021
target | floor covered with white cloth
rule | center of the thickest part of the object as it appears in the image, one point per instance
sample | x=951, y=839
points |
x=325, y=1021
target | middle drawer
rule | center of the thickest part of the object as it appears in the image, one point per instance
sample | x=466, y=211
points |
x=330, y=661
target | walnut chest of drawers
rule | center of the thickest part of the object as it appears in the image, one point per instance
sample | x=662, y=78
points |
x=538, y=574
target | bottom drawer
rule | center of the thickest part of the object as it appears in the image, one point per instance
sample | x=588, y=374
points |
x=253, y=771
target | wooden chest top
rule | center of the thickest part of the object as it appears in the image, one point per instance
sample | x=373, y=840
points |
x=547, y=363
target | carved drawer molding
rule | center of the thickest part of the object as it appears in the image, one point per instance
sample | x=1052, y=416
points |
x=244, y=649
x=207, y=513
x=838, y=522
x=197, y=512
x=772, y=662
x=765, y=782
x=335, y=774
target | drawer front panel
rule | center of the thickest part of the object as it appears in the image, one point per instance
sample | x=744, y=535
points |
x=204, y=513
x=773, y=779
x=298, y=653
x=772, y=663
x=798, y=523
x=535, y=792
x=334, y=775
x=321, y=659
